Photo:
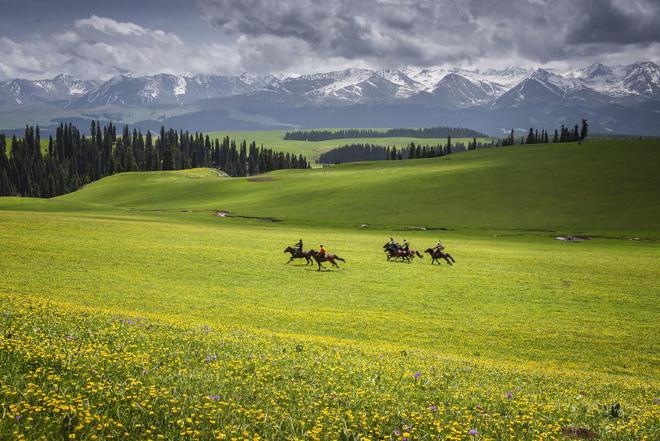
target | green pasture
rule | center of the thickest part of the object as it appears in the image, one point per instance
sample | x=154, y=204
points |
x=134, y=280
x=606, y=188
x=312, y=149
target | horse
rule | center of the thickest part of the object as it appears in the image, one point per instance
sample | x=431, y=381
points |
x=396, y=252
x=437, y=254
x=296, y=254
x=325, y=258
x=408, y=255
x=391, y=249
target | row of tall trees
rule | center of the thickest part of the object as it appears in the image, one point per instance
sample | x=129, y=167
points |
x=71, y=160
x=431, y=132
x=374, y=152
x=564, y=134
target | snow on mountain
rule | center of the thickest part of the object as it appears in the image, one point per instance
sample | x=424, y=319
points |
x=457, y=90
x=21, y=92
x=428, y=78
x=434, y=86
x=642, y=79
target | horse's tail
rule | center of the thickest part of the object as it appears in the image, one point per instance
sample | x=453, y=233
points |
x=339, y=258
x=419, y=255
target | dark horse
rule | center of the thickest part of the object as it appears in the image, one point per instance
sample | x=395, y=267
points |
x=295, y=254
x=437, y=254
x=320, y=258
x=397, y=253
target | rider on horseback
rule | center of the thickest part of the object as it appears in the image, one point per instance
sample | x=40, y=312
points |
x=406, y=246
x=299, y=246
x=438, y=246
x=322, y=251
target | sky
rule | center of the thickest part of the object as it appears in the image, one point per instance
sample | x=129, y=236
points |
x=99, y=39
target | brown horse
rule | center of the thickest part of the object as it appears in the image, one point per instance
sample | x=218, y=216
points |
x=437, y=254
x=325, y=258
x=395, y=252
x=295, y=254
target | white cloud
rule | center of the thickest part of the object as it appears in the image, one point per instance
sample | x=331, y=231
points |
x=303, y=36
x=100, y=47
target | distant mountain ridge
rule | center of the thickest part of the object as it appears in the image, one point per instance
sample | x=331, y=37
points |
x=596, y=91
x=453, y=87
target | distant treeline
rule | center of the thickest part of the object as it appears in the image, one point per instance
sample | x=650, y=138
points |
x=564, y=134
x=432, y=132
x=73, y=160
x=373, y=152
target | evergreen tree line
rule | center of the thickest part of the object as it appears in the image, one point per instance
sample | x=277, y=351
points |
x=73, y=160
x=374, y=152
x=432, y=132
x=564, y=134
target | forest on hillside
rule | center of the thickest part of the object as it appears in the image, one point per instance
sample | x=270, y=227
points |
x=72, y=160
x=431, y=132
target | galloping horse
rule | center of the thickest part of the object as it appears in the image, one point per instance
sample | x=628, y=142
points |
x=437, y=254
x=396, y=252
x=295, y=254
x=325, y=258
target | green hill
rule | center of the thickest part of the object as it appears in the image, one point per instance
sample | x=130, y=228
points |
x=275, y=139
x=598, y=187
x=130, y=307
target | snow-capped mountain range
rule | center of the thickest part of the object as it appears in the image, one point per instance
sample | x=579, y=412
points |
x=615, y=99
x=442, y=87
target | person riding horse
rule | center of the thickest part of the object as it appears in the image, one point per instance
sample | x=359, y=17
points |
x=299, y=246
x=323, y=256
x=437, y=252
x=406, y=246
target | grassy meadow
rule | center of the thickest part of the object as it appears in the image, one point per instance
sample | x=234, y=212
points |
x=129, y=310
x=312, y=149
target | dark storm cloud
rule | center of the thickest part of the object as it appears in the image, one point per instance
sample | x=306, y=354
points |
x=390, y=32
x=610, y=22
x=98, y=39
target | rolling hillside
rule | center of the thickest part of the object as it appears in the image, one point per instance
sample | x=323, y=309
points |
x=589, y=189
x=132, y=304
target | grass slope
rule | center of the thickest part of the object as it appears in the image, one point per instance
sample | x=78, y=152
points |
x=127, y=307
x=274, y=139
x=608, y=187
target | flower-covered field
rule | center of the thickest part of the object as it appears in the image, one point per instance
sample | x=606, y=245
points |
x=76, y=373
x=131, y=310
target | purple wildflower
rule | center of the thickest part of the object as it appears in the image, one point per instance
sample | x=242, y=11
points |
x=397, y=433
x=478, y=406
x=417, y=375
x=509, y=395
x=210, y=358
x=433, y=407
x=214, y=397
x=473, y=432
x=18, y=417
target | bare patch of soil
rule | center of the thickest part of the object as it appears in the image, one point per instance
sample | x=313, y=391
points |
x=573, y=238
x=578, y=432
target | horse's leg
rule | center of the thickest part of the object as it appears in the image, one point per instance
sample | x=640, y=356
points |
x=290, y=260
